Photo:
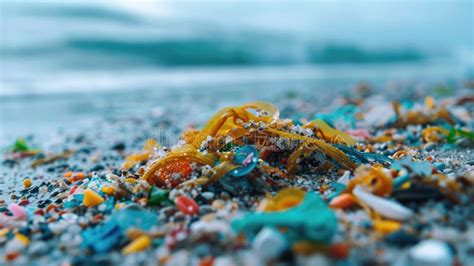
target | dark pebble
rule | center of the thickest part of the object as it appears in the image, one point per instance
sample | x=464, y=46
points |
x=417, y=194
x=24, y=231
x=9, y=162
x=84, y=150
x=34, y=190
x=44, y=203
x=401, y=239
x=119, y=146
x=205, y=209
x=98, y=167
x=287, y=257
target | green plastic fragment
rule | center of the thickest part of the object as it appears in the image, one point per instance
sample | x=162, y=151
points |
x=456, y=134
x=20, y=145
x=311, y=220
x=157, y=196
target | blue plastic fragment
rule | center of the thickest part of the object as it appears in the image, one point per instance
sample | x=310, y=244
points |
x=344, y=115
x=439, y=166
x=247, y=156
x=417, y=168
x=111, y=233
x=135, y=218
x=355, y=155
x=104, y=237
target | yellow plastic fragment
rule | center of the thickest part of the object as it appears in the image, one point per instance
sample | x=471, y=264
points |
x=27, y=183
x=23, y=239
x=131, y=180
x=4, y=232
x=386, y=226
x=137, y=245
x=136, y=158
x=329, y=133
x=406, y=185
x=91, y=198
x=434, y=134
x=108, y=190
x=429, y=103
x=285, y=199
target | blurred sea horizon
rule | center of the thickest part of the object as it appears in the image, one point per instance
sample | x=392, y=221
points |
x=50, y=47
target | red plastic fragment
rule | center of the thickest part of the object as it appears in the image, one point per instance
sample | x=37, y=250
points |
x=186, y=205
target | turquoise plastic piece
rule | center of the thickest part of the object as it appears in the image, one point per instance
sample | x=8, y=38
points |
x=247, y=156
x=311, y=220
x=418, y=168
x=399, y=181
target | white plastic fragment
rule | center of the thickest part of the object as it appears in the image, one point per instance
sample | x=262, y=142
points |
x=386, y=208
x=430, y=252
x=269, y=243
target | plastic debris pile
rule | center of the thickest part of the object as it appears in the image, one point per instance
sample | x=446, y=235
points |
x=251, y=186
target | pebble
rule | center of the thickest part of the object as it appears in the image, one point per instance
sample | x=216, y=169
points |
x=38, y=248
x=207, y=195
x=269, y=243
x=141, y=243
x=430, y=252
x=401, y=239
x=205, y=209
x=417, y=194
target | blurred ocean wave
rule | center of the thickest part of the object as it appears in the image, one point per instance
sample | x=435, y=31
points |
x=83, y=46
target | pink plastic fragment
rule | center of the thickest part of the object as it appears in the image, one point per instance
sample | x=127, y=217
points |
x=248, y=159
x=359, y=133
x=18, y=212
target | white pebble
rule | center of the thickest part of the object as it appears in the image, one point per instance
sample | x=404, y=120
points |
x=269, y=243
x=430, y=252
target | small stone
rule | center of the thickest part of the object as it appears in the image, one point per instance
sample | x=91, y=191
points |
x=417, y=193
x=401, y=239
x=269, y=243
x=120, y=146
x=205, y=209
x=207, y=195
x=430, y=252
x=38, y=248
